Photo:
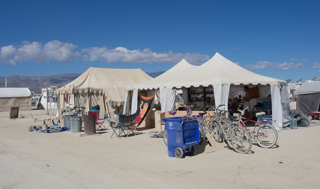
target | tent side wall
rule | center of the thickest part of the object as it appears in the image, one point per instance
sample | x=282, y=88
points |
x=24, y=103
x=307, y=103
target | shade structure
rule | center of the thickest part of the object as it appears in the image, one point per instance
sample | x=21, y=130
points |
x=15, y=97
x=173, y=74
x=219, y=70
x=101, y=86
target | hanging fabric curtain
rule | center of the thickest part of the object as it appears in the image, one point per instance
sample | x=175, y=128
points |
x=145, y=106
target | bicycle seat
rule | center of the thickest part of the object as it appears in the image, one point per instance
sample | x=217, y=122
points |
x=233, y=118
x=260, y=114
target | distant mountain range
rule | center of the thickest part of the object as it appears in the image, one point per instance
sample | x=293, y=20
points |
x=36, y=83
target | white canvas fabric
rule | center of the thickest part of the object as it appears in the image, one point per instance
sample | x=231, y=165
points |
x=14, y=92
x=109, y=85
x=125, y=106
x=172, y=74
x=277, y=121
x=134, y=105
x=308, y=88
x=15, y=97
x=166, y=99
x=219, y=70
x=111, y=82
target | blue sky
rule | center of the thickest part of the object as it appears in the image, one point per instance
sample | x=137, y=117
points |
x=274, y=38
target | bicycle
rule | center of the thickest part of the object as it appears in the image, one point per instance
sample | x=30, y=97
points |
x=79, y=110
x=234, y=136
x=263, y=133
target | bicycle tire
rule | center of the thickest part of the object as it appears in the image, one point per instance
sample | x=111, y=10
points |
x=267, y=136
x=164, y=136
x=217, y=134
x=240, y=140
x=204, y=128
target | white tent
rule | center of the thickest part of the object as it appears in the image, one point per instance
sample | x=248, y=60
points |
x=15, y=97
x=220, y=73
x=101, y=86
x=160, y=82
x=308, y=97
x=173, y=74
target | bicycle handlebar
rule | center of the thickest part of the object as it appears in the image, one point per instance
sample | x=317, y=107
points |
x=242, y=111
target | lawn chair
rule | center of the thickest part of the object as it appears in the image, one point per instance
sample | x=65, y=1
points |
x=98, y=123
x=122, y=126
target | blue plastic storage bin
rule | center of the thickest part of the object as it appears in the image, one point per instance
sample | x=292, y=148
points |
x=182, y=133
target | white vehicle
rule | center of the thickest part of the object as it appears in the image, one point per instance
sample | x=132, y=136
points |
x=49, y=98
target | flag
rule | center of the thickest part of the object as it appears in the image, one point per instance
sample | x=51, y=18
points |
x=288, y=80
x=314, y=78
x=299, y=80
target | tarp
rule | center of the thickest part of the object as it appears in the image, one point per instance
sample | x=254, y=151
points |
x=308, y=97
x=308, y=88
x=307, y=103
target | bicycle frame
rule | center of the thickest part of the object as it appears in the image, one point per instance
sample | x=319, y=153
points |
x=257, y=124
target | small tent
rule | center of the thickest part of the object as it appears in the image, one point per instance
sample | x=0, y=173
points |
x=15, y=97
x=308, y=97
x=100, y=86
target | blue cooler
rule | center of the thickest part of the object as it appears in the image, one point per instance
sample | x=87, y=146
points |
x=182, y=133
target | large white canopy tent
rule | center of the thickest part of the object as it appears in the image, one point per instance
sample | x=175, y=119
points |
x=101, y=86
x=220, y=73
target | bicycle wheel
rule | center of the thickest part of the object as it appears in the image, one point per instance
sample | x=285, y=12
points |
x=240, y=140
x=216, y=133
x=267, y=136
x=204, y=128
x=164, y=135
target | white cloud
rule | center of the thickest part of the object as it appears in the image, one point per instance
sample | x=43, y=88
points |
x=316, y=65
x=286, y=66
x=35, y=51
x=299, y=60
x=121, y=54
x=261, y=65
x=237, y=63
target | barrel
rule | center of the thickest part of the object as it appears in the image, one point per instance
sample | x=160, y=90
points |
x=66, y=120
x=89, y=124
x=76, y=124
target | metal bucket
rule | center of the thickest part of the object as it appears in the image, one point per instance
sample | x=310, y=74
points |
x=76, y=124
x=89, y=124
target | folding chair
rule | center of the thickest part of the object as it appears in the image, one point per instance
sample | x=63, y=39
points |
x=122, y=126
x=98, y=123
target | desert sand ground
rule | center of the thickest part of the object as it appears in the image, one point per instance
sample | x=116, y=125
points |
x=71, y=160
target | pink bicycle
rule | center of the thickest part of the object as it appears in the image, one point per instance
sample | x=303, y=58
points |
x=263, y=132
